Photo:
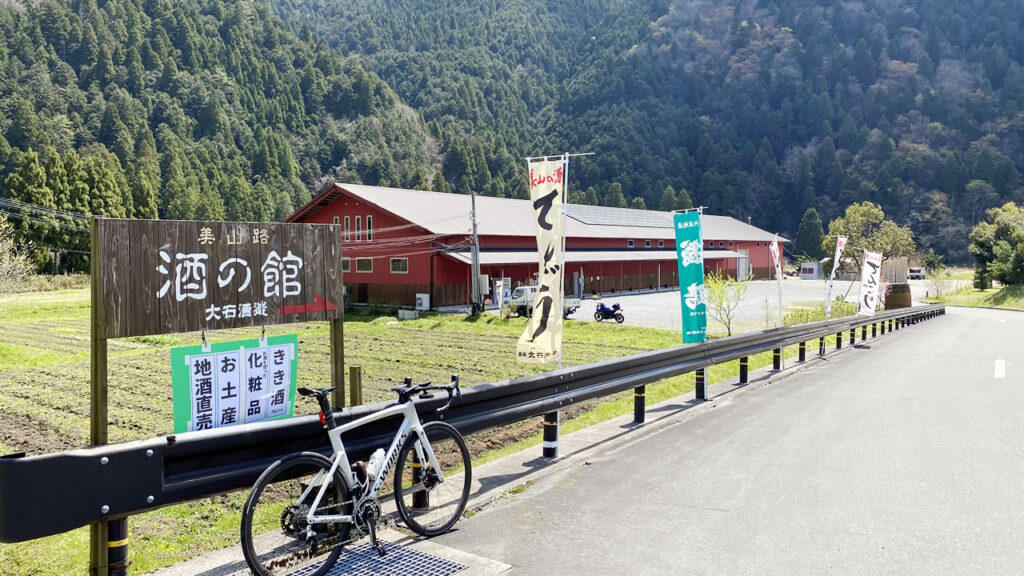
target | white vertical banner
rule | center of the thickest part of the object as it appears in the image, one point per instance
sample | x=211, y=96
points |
x=869, y=279
x=777, y=260
x=256, y=385
x=280, y=374
x=541, y=342
x=229, y=393
x=204, y=404
x=840, y=245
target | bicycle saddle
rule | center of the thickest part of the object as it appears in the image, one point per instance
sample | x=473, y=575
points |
x=316, y=392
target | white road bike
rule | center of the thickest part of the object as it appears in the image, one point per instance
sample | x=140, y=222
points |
x=306, y=507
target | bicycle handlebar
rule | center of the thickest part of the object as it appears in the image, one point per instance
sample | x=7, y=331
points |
x=408, y=389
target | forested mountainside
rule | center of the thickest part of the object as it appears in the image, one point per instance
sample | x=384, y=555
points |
x=754, y=108
x=242, y=110
x=203, y=109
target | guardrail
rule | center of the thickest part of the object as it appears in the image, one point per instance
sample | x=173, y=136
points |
x=54, y=493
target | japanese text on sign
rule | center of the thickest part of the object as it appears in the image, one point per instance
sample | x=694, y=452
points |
x=541, y=341
x=234, y=383
x=869, y=280
x=690, y=259
x=280, y=275
x=161, y=277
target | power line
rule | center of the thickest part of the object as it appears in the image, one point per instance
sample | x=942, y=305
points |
x=54, y=223
x=43, y=210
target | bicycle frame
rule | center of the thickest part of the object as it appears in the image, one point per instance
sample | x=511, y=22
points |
x=410, y=424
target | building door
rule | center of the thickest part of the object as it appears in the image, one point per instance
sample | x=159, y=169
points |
x=743, y=264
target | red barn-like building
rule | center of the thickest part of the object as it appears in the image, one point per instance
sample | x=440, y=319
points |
x=400, y=243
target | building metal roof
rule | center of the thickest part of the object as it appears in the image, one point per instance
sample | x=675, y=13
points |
x=449, y=214
x=586, y=256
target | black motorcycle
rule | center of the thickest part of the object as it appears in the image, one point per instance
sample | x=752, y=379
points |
x=605, y=313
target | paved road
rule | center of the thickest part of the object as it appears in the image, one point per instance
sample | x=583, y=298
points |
x=907, y=458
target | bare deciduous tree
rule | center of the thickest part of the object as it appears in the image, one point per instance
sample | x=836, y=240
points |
x=724, y=295
x=14, y=264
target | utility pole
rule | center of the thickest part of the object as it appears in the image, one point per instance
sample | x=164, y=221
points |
x=475, y=247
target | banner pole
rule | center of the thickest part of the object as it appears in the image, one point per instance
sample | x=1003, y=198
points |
x=561, y=284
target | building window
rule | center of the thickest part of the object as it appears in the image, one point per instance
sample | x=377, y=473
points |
x=359, y=233
x=730, y=243
x=629, y=243
x=647, y=243
x=346, y=264
x=335, y=219
x=721, y=243
x=369, y=227
x=661, y=243
x=364, y=264
x=347, y=235
x=757, y=244
x=399, y=265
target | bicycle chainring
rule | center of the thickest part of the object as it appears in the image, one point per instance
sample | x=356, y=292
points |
x=367, y=512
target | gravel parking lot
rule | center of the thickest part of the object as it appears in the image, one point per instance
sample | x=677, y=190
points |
x=757, y=311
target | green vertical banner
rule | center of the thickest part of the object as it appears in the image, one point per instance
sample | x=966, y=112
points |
x=690, y=253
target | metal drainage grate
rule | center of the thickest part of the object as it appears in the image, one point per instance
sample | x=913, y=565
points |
x=399, y=561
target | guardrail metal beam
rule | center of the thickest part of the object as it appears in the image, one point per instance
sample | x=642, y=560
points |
x=117, y=480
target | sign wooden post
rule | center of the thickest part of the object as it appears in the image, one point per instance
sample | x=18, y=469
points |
x=165, y=277
x=98, y=396
x=338, y=362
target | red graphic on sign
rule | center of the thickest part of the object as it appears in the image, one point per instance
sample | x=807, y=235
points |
x=318, y=305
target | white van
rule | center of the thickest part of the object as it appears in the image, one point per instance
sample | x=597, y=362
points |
x=522, y=302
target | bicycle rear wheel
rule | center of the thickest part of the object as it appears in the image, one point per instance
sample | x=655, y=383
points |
x=428, y=505
x=274, y=535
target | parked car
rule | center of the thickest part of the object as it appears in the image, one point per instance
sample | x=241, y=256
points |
x=916, y=273
x=522, y=302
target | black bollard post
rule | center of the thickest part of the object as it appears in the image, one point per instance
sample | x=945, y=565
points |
x=639, y=404
x=803, y=351
x=821, y=346
x=743, y=370
x=853, y=333
x=701, y=389
x=864, y=332
x=839, y=340
x=117, y=547
x=551, y=435
x=777, y=359
x=420, y=498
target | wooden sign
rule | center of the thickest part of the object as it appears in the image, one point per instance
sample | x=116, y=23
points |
x=161, y=277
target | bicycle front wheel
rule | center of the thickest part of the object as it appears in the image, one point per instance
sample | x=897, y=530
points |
x=428, y=504
x=275, y=539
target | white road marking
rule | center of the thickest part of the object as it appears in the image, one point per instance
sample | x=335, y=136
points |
x=1000, y=368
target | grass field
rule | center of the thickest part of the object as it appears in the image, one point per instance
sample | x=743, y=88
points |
x=44, y=399
x=1005, y=297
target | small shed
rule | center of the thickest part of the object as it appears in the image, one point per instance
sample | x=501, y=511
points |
x=811, y=271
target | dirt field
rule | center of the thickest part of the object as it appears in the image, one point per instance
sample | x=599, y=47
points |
x=44, y=397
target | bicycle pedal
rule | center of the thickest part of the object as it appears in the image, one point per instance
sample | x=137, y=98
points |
x=381, y=550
